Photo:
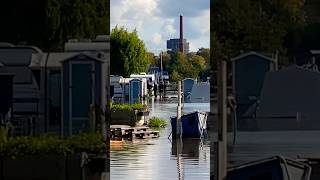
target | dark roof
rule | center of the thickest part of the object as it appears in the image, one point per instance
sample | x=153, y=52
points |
x=290, y=91
x=250, y=54
x=84, y=54
x=56, y=58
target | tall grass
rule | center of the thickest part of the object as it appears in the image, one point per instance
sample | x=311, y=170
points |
x=157, y=122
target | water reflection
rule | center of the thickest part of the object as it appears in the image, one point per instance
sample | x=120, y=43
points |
x=252, y=146
x=162, y=158
x=190, y=150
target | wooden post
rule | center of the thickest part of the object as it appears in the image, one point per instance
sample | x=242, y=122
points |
x=221, y=158
x=178, y=139
x=179, y=135
x=107, y=113
x=179, y=126
x=180, y=165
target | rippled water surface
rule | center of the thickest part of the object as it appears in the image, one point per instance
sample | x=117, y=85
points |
x=157, y=159
x=252, y=146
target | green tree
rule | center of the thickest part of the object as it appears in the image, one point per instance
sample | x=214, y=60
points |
x=166, y=60
x=68, y=19
x=198, y=63
x=186, y=66
x=252, y=25
x=49, y=23
x=300, y=40
x=128, y=54
x=175, y=76
x=205, y=53
x=151, y=58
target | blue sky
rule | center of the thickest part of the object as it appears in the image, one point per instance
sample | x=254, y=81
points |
x=158, y=20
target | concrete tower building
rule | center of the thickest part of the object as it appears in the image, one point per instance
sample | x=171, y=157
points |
x=178, y=44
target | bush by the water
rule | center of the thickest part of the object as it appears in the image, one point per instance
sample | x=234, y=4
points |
x=27, y=145
x=127, y=107
x=157, y=122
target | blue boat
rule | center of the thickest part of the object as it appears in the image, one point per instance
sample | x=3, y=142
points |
x=274, y=168
x=194, y=125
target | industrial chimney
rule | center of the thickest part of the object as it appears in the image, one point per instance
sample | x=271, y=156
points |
x=181, y=34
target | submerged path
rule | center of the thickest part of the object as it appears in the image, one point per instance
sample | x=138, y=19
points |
x=156, y=159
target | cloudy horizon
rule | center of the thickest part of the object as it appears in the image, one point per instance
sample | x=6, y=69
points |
x=156, y=21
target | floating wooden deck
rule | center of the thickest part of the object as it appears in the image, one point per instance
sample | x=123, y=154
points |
x=128, y=132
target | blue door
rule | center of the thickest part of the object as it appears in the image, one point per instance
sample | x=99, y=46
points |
x=135, y=91
x=81, y=95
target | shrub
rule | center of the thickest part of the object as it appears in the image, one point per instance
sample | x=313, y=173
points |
x=127, y=107
x=27, y=145
x=157, y=122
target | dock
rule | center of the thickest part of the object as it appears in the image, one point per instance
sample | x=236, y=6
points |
x=128, y=132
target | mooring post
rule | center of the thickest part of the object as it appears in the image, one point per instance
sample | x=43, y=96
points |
x=179, y=127
x=221, y=158
x=178, y=137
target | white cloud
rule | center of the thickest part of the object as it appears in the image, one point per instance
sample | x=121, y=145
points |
x=139, y=9
x=170, y=29
x=191, y=46
x=158, y=20
x=157, y=38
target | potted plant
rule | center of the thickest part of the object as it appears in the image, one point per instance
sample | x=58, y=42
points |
x=128, y=114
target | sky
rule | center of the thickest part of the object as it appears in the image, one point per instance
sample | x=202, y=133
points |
x=158, y=20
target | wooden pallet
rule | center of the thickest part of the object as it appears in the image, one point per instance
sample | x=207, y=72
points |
x=146, y=134
x=141, y=132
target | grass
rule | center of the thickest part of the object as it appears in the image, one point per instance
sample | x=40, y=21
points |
x=156, y=122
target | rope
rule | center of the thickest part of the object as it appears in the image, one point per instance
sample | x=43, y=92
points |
x=201, y=126
x=235, y=126
x=286, y=166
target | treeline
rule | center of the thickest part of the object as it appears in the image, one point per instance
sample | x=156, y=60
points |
x=129, y=56
x=128, y=53
x=288, y=26
x=191, y=65
x=49, y=23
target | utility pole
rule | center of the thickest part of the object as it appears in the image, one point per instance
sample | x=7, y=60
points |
x=161, y=66
x=161, y=74
x=221, y=157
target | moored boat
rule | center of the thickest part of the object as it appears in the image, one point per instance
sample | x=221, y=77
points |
x=274, y=168
x=194, y=125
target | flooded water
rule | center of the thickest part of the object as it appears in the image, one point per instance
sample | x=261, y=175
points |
x=159, y=158
x=252, y=146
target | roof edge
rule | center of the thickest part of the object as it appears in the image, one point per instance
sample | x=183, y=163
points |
x=250, y=53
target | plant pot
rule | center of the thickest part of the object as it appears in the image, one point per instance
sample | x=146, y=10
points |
x=123, y=118
x=140, y=121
